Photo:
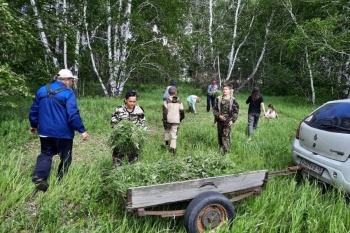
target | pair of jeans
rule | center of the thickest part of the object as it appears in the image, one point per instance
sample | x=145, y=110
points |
x=253, y=119
x=210, y=101
x=50, y=147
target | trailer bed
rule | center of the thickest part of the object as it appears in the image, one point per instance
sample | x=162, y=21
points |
x=153, y=195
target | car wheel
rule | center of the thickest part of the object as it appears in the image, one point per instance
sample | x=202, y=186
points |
x=208, y=210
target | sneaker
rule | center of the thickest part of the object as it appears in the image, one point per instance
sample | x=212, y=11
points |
x=41, y=184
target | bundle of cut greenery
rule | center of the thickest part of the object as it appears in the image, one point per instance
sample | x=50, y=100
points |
x=217, y=94
x=127, y=137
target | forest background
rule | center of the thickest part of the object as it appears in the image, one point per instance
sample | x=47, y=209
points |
x=288, y=47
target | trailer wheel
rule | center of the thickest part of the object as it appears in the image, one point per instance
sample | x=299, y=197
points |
x=208, y=210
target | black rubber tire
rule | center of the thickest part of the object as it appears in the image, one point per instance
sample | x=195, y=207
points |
x=208, y=210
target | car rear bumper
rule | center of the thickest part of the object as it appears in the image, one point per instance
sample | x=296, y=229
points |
x=335, y=172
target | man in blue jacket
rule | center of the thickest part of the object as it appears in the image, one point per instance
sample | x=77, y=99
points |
x=54, y=115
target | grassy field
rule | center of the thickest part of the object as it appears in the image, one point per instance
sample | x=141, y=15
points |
x=90, y=197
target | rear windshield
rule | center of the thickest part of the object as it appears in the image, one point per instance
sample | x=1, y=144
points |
x=333, y=117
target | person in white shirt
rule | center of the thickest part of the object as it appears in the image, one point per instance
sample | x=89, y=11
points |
x=192, y=100
x=271, y=112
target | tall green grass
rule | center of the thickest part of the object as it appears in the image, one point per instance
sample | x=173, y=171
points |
x=90, y=197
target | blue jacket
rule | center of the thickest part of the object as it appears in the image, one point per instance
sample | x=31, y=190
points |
x=57, y=118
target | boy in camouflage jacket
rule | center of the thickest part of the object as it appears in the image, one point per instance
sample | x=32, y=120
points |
x=225, y=112
x=132, y=112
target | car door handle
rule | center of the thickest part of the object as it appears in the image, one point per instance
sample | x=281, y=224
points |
x=338, y=152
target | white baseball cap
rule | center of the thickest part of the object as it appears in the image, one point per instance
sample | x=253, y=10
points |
x=65, y=73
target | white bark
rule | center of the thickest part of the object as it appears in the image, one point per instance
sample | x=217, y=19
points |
x=125, y=33
x=288, y=5
x=91, y=53
x=42, y=34
x=65, y=35
x=233, y=53
x=211, y=29
x=236, y=52
x=111, y=81
x=311, y=76
x=262, y=53
x=117, y=52
x=57, y=46
x=219, y=71
x=76, y=52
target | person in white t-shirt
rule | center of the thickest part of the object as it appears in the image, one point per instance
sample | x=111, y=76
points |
x=271, y=112
x=192, y=100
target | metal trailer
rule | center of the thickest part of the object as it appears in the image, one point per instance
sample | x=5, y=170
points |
x=211, y=199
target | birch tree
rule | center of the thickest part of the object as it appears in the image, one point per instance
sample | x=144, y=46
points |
x=262, y=53
x=49, y=54
x=60, y=28
x=289, y=7
x=88, y=43
x=247, y=18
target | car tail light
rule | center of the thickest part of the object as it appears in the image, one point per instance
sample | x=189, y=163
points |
x=298, y=129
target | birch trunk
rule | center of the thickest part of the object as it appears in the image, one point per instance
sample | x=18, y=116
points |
x=111, y=81
x=211, y=29
x=311, y=76
x=57, y=46
x=65, y=35
x=42, y=34
x=288, y=5
x=233, y=54
x=91, y=53
x=116, y=54
x=267, y=30
x=126, y=35
x=76, y=52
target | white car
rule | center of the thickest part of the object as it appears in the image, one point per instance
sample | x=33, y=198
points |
x=322, y=144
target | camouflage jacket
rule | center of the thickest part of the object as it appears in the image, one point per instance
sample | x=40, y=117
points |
x=233, y=109
x=137, y=116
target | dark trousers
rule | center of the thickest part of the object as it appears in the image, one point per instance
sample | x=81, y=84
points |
x=224, y=133
x=253, y=120
x=49, y=148
x=210, y=101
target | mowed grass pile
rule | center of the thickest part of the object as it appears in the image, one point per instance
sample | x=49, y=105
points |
x=90, y=197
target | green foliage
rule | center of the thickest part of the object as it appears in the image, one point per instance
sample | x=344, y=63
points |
x=127, y=137
x=217, y=94
x=183, y=168
x=281, y=81
x=91, y=197
x=11, y=85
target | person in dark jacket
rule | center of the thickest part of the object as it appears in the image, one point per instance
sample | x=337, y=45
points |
x=256, y=103
x=225, y=112
x=54, y=116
